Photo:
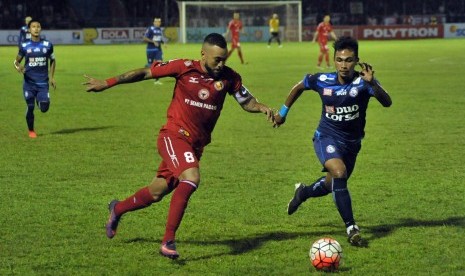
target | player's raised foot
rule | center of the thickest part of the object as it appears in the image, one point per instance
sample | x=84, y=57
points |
x=113, y=220
x=32, y=134
x=295, y=202
x=354, y=237
x=168, y=249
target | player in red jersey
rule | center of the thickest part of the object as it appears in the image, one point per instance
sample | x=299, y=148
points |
x=199, y=94
x=323, y=30
x=235, y=28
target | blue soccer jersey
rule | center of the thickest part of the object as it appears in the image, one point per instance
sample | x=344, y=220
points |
x=156, y=35
x=37, y=56
x=343, y=105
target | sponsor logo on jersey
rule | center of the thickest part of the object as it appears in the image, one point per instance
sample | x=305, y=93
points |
x=330, y=149
x=219, y=85
x=193, y=80
x=342, y=92
x=204, y=94
x=353, y=92
x=327, y=91
x=342, y=113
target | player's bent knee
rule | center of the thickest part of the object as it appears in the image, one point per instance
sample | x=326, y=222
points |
x=44, y=106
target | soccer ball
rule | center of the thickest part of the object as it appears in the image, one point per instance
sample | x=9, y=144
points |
x=325, y=254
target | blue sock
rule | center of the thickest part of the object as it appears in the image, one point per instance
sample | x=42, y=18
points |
x=30, y=117
x=342, y=199
x=316, y=189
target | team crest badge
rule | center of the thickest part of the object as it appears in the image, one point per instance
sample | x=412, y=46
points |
x=330, y=149
x=327, y=91
x=218, y=85
x=353, y=92
x=44, y=50
x=204, y=94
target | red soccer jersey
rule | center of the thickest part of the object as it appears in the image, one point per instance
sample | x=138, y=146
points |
x=323, y=30
x=235, y=27
x=197, y=97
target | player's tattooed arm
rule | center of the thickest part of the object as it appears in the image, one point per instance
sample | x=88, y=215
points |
x=96, y=85
x=250, y=104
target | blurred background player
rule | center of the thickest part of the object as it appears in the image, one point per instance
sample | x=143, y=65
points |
x=337, y=141
x=235, y=28
x=38, y=54
x=274, y=30
x=323, y=30
x=154, y=39
x=24, y=34
x=198, y=97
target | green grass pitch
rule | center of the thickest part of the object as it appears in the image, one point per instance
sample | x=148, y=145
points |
x=407, y=188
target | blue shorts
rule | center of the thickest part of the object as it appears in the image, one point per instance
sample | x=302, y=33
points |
x=38, y=93
x=153, y=55
x=327, y=147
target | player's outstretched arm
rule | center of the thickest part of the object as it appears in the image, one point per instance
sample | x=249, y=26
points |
x=96, y=85
x=252, y=105
x=296, y=91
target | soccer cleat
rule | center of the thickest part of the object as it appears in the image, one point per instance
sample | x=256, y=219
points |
x=32, y=134
x=113, y=220
x=354, y=237
x=295, y=202
x=168, y=249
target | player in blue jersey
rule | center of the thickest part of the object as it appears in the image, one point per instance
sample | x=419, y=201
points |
x=337, y=140
x=154, y=38
x=24, y=34
x=38, y=54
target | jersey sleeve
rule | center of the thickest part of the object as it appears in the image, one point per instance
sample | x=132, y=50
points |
x=148, y=33
x=309, y=81
x=172, y=68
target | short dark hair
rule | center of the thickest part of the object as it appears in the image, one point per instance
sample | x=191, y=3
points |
x=216, y=39
x=32, y=21
x=346, y=42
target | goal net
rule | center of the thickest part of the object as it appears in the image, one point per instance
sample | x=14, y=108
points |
x=197, y=19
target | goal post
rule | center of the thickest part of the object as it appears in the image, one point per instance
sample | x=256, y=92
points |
x=197, y=19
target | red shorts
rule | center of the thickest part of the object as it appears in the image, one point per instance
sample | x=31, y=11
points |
x=323, y=46
x=235, y=42
x=177, y=153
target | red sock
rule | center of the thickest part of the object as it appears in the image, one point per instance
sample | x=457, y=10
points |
x=177, y=207
x=141, y=199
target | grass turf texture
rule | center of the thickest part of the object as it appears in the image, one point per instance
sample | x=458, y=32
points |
x=407, y=188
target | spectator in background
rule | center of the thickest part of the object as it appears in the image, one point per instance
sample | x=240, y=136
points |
x=24, y=34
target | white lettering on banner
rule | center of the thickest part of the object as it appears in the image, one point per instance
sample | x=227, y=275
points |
x=421, y=32
x=115, y=34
